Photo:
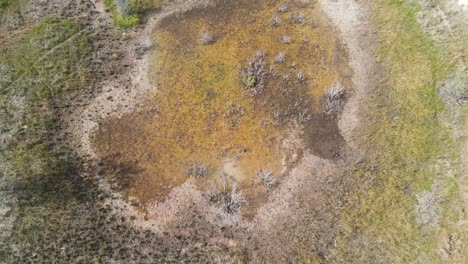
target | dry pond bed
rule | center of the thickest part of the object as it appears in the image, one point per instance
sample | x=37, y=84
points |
x=206, y=120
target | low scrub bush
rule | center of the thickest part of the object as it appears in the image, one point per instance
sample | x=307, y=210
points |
x=285, y=39
x=334, y=101
x=275, y=21
x=207, y=38
x=298, y=18
x=281, y=57
x=283, y=8
x=197, y=170
x=254, y=74
x=266, y=178
x=228, y=198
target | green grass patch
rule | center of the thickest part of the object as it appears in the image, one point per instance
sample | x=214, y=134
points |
x=407, y=142
x=47, y=61
x=6, y=4
x=130, y=14
x=8, y=7
x=58, y=214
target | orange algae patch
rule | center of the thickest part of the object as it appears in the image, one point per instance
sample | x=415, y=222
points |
x=201, y=111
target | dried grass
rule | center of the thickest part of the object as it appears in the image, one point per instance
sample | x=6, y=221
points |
x=334, y=101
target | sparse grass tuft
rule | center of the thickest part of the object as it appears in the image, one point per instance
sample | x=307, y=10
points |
x=281, y=57
x=234, y=114
x=266, y=178
x=300, y=76
x=285, y=39
x=207, y=38
x=197, y=170
x=304, y=116
x=275, y=21
x=141, y=6
x=298, y=18
x=124, y=20
x=283, y=8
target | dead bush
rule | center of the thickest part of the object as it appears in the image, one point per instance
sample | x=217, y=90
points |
x=300, y=76
x=234, y=114
x=253, y=75
x=275, y=21
x=228, y=198
x=281, y=57
x=266, y=178
x=283, y=8
x=298, y=18
x=197, y=170
x=207, y=38
x=285, y=39
x=334, y=100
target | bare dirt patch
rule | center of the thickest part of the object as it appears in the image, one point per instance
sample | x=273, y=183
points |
x=354, y=27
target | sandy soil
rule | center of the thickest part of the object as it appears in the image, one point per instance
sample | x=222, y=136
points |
x=352, y=20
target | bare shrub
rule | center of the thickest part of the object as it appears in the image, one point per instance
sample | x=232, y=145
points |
x=228, y=198
x=334, y=101
x=197, y=170
x=266, y=178
x=285, y=39
x=207, y=38
x=275, y=21
x=300, y=76
x=253, y=75
x=234, y=114
x=304, y=116
x=212, y=193
x=231, y=202
x=281, y=57
x=260, y=53
x=283, y=8
x=298, y=18
x=272, y=71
